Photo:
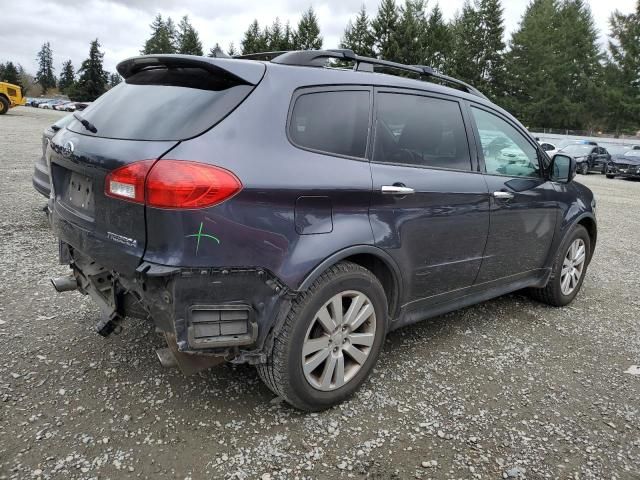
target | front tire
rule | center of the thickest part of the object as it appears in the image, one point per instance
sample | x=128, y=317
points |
x=584, y=168
x=568, y=271
x=609, y=175
x=330, y=339
x=4, y=105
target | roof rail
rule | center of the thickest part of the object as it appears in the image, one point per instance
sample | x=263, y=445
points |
x=318, y=58
x=267, y=56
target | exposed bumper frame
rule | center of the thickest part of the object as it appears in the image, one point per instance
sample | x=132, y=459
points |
x=169, y=296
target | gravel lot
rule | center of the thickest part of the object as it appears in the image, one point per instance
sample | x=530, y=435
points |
x=509, y=388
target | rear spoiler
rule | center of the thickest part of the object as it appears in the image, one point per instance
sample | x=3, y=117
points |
x=245, y=71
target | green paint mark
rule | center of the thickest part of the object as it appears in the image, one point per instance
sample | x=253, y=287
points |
x=200, y=235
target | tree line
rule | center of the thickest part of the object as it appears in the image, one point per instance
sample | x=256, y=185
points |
x=86, y=83
x=551, y=73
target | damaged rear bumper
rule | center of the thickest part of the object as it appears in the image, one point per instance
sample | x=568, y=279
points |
x=225, y=312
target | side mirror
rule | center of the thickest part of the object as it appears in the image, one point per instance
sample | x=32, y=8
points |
x=563, y=168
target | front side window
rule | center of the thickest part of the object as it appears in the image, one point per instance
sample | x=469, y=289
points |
x=420, y=131
x=334, y=122
x=506, y=151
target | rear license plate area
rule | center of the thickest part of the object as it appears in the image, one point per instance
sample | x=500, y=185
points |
x=76, y=193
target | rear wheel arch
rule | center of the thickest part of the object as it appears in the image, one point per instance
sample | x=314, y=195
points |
x=373, y=259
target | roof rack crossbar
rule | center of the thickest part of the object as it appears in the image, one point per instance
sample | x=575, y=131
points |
x=317, y=58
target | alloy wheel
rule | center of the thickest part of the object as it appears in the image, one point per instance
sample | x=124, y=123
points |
x=339, y=340
x=573, y=266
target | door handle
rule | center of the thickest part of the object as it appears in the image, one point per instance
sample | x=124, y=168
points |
x=503, y=195
x=396, y=190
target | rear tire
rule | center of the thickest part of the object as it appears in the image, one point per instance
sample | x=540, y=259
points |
x=349, y=353
x=559, y=291
x=4, y=105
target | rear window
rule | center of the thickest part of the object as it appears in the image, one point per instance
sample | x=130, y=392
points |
x=335, y=122
x=163, y=104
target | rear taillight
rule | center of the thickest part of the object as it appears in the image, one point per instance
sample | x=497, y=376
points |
x=128, y=182
x=172, y=184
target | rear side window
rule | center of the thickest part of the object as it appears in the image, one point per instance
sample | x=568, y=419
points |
x=335, y=122
x=421, y=131
x=164, y=104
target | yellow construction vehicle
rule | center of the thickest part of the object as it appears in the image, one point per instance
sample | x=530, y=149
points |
x=10, y=96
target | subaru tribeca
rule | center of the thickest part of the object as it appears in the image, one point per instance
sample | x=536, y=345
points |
x=280, y=211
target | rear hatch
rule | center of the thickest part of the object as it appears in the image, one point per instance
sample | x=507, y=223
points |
x=164, y=99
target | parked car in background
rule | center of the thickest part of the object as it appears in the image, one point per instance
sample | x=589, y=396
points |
x=82, y=105
x=37, y=101
x=625, y=165
x=52, y=103
x=389, y=213
x=65, y=107
x=550, y=148
x=40, y=178
x=589, y=158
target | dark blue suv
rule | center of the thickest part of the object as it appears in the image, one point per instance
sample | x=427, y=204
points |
x=288, y=212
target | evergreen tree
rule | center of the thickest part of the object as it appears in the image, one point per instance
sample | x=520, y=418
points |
x=216, y=52
x=67, y=77
x=411, y=33
x=468, y=48
x=114, y=79
x=622, y=71
x=9, y=73
x=188, y=41
x=491, y=61
x=438, y=44
x=163, y=37
x=45, y=76
x=358, y=35
x=580, y=79
x=274, y=35
x=384, y=26
x=278, y=38
x=253, y=41
x=289, y=37
x=25, y=80
x=173, y=33
x=553, y=67
x=478, y=56
x=308, y=32
x=92, y=79
x=232, y=50
x=533, y=92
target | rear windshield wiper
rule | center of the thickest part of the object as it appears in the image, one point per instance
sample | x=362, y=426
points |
x=85, y=123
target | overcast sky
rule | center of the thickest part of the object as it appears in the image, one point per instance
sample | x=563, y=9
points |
x=122, y=26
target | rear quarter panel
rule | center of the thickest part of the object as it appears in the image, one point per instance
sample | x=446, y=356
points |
x=257, y=227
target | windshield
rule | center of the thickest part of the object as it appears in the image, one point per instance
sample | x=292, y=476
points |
x=578, y=149
x=633, y=153
x=618, y=149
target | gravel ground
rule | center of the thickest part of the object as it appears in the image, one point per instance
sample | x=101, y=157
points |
x=508, y=388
